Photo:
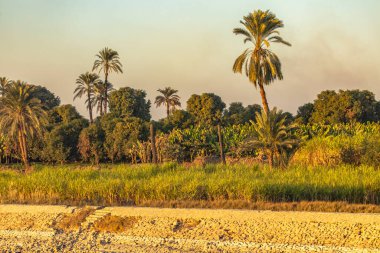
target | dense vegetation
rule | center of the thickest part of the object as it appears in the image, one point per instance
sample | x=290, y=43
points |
x=329, y=151
x=134, y=184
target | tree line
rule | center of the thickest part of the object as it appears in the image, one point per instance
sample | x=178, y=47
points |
x=35, y=127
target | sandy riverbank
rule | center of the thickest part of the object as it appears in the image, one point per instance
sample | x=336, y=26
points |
x=32, y=229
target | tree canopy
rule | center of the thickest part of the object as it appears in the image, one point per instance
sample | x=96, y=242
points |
x=345, y=106
x=206, y=108
x=129, y=102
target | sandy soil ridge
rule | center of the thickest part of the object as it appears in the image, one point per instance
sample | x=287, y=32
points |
x=31, y=229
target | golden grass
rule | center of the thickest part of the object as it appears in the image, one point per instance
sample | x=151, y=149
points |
x=316, y=206
x=343, y=188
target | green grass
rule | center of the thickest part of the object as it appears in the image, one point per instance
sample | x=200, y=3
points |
x=126, y=184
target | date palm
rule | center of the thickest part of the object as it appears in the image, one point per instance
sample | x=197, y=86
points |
x=22, y=116
x=86, y=83
x=169, y=98
x=4, y=84
x=261, y=65
x=273, y=136
x=107, y=61
x=98, y=98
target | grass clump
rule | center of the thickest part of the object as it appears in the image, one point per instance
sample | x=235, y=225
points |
x=115, y=224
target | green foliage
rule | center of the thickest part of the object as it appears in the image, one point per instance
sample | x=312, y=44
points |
x=321, y=130
x=346, y=106
x=59, y=143
x=121, y=135
x=169, y=98
x=237, y=114
x=234, y=136
x=63, y=114
x=4, y=84
x=47, y=98
x=22, y=116
x=129, y=102
x=86, y=87
x=120, y=184
x=274, y=137
x=207, y=109
x=3, y=148
x=261, y=65
x=339, y=144
x=304, y=113
x=108, y=61
x=192, y=142
x=179, y=119
x=90, y=143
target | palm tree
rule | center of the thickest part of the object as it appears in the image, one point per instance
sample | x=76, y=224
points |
x=108, y=62
x=273, y=136
x=261, y=65
x=98, y=98
x=169, y=98
x=4, y=84
x=22, y=116
x=86, y=83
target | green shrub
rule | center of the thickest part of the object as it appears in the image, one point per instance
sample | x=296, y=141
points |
x=358, y=148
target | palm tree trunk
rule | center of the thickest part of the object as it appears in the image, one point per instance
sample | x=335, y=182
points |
x=167, y=110
x=220, y=136
x=270, y=159
x=153, y=143
x=105, y=92
x=101, y=106
x=264, y=98
x=23, y=148
x=90, y=107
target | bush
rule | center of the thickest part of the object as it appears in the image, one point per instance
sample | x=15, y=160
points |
x=359, y=148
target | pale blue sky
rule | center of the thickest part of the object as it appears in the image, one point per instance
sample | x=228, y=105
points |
x=189, y=45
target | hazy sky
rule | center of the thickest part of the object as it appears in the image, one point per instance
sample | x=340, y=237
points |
x=189, y=45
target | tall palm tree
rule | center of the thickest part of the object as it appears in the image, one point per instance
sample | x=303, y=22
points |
x=273, y=136
x=261, y=65
x=108, y=62
x=22, y=116
x=98, y=98
x=86, y=83
x=169, y=98
x=4, y=84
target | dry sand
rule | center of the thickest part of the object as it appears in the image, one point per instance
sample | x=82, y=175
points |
x=30, y=229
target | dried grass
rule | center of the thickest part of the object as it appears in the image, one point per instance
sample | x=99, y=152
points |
x=115, y=224
x=74, y=220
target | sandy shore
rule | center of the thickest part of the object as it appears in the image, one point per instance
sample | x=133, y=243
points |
x=31, y=229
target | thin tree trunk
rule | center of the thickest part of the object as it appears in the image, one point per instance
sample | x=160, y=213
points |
x=105, y=93
x=270, y=159
x=90, y=107
x=220, y=136
x=23, y=148
x=153, y=143
x=26, y=161
x=167, y=110
x=101, y=107
x=264, y=98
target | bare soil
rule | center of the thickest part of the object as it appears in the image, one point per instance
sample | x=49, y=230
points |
x=31, y=229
